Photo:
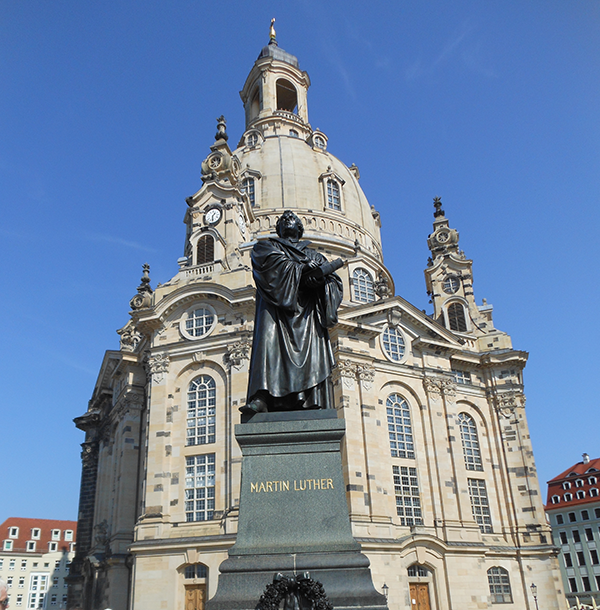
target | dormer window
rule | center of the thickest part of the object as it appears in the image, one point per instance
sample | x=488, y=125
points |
x=333, y=195
x=566, y=485
x=568, y=497
x=555, y=499
x=35, y=533
x=252, y=139
x=287, y=96
x=319, y=142
x=579, y=483
x=205, y=250
x=362, y=286
x=456, y=318
x=580, y=494
x=13, y=532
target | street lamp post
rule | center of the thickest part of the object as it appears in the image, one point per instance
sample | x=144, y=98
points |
x=534, y=593
x=385, y=589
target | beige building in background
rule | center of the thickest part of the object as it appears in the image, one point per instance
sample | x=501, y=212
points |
x=35, y=556
x=440, y=476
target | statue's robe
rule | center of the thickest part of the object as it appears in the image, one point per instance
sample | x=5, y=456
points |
x=292, y=357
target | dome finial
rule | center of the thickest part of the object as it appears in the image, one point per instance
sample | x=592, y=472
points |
x=221, y=129
x=272, y=35
x=437, y=204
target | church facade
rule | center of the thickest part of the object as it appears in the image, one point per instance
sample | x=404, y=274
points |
x=440, y=477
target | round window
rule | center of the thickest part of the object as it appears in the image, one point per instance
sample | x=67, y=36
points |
x=451, y=284
x=198, y=322
x=393, y=344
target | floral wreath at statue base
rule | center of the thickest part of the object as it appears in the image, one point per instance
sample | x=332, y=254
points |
x=301, y=587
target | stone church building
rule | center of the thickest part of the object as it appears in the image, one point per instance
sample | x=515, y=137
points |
x=440, y=477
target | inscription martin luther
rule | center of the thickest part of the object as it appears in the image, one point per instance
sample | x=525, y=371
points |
x=296, y=485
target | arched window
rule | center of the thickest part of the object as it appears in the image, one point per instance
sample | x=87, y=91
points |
x=499, y=586
x=580, y=494
x=333, y=195
x=399, y=427
x=594, y=492
x=568, y=497
x=252, y=139
x=579, y=483
x=205, y=250
x=470, y=442
x=417, y=570
x=248, y=188
x=566, y=485
x=362, y=282
x=196, y=570
x=287, y=97
x=555, y=499
x=202, y=399
x=456, y=317
x=592, y=480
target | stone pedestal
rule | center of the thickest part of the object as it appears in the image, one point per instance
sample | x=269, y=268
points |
x=293, y=514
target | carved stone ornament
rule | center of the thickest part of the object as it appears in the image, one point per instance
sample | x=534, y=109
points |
x=439, y=385
x=508, y=402
x=130, y=337
x=89, y=453
x=296, y=592
x=157, y=366
x=346, y=368
x=365, y=372
x=381, y=286
x=237, y=353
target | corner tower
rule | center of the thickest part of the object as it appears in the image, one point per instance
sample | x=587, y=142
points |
x=449, y=281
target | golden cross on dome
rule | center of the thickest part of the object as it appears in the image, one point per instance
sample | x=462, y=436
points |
x=272, y=35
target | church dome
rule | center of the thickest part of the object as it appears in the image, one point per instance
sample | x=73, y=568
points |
x=286, y=172
x=284, y=163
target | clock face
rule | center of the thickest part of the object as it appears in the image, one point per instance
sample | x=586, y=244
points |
x=442, y=237
x=242, y=225
x=213, y=216
x=451, y=284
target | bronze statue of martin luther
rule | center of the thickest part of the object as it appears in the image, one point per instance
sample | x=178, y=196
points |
x=297, y=297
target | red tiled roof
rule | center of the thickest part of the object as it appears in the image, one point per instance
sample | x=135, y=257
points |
x=581, y=470
x=44, y=525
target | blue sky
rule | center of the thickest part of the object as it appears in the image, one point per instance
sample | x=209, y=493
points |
x=107, y=110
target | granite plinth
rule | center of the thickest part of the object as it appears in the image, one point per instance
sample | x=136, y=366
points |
x=294, y=514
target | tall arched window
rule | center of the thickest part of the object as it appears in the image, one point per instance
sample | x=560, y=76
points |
x=399, y=427
x=363, y=286
x=248, y=188
x=202, y=399
x=470, y=442
x=333, y=195
x=287, y=97
x=205, y=250
x=456, y=317
x=499, y=586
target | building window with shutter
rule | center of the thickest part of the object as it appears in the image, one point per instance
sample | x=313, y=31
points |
x=456, y=318
x=205, y=250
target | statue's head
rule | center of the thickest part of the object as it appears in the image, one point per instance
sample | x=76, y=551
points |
x=289, y=225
